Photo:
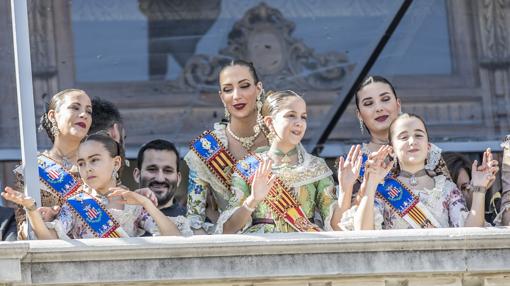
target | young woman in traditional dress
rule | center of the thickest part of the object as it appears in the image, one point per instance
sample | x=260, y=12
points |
x=216, y=151
x=411, y=196
x=280, y=188
x=100, y=209
x=67, y=121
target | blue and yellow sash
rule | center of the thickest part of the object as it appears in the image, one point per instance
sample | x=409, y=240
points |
x=215, y=156
x=59, y=180
x=279, y=199
x=95, y=215
x=406, y=204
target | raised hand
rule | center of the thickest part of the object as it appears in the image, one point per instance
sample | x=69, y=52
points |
x=348, y=168
x=146, y=192
x=262, y=183
x=376, y=167
x=18, y=198
x=484, y=174
x=126, y=196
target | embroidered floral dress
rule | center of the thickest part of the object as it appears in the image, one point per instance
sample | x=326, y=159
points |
x=311, y=185
x=445, y=202
x=202, y=183
x=49, y=198
x=133, y=220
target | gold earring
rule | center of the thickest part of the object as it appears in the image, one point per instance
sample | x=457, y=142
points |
x=54, y=128
x=227, y=114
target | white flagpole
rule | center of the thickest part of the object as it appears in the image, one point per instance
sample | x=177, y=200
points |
x=26, y=111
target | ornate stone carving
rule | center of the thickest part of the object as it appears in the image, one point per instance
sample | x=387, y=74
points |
x=264, y=37
x=494, y=34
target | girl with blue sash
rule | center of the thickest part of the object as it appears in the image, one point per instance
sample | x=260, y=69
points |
x=213, y=154
x=377, y=105
x=280, y=188
x=66, y=121
x=405, y=194
x=100, y=209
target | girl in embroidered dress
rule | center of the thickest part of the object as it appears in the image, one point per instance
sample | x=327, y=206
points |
x=99, y=160
x=66, y=121
x=307, y=179
x=377, y=106
x=241, y=93
x=439, y=201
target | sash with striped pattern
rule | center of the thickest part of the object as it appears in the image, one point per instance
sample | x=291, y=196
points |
x=406, y=204
x=279, y=199
x=57, y=178
x=215, y=156
x=95, y=215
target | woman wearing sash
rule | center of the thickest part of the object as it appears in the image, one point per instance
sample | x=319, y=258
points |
x=410, y=196
x=377, y=105
x=67, y=121
x=280, y=188
x=101, y=209
x=213, y=154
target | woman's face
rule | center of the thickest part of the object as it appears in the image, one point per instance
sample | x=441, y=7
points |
x=96, y=165
x=378, y=106
x=410, y=141
x=463, y=181
x=74, y=115
x=289, y=123
x=238, y=91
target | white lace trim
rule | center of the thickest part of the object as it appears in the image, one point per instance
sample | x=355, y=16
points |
x=347, y=221
x=433, y=157
x=327, y=220
x=182, y=224
x=498, y=220
x=59, y=229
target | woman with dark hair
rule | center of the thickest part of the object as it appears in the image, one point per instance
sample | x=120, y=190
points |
x=66, y=121
x=99, y=209
x=410, y=196
x=377, y=105
x=216, y=151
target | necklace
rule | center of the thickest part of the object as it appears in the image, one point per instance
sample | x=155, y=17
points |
x=285, y=156
x=64, y=160
x=247, y=142
x=412, y=177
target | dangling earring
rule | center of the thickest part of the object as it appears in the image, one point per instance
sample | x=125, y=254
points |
x=260, y=120
x=361, y=127
x=115, y=175
x=54, y=128
x=260, y=101
x=227, y=114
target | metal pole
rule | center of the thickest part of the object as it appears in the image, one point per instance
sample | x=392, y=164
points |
x=26, y=112
x=317, y=140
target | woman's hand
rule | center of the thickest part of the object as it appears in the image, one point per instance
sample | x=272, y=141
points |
x=261, y=183
x=18, y=198
x=348, y=169
x=485, y=174
x=376, y=167
x=146, y=192
x=127, y=197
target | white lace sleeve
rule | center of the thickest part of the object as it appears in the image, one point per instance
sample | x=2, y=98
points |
x=225, y=216
x=433, y=157
x=347, y=220
x=182, y=224
x=59, y=228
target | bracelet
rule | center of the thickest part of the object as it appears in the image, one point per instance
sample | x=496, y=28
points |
x=478, y=189
x=32, y=208
x=247, y=207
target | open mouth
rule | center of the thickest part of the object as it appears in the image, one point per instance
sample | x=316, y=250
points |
x=297, y=133
x=239, y=106
x=381, y=118
x=81, y=124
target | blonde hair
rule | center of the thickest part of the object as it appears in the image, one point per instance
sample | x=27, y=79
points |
x=272, y=104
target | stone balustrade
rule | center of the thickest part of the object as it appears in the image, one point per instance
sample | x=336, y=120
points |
x=467, y=256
